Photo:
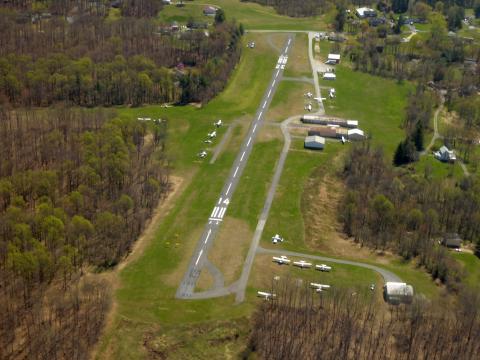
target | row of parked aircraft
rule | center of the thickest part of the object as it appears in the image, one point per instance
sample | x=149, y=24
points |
x=210, y=136
x=283, y=260
x=316, y=286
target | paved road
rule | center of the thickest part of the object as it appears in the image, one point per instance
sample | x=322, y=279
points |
x=247, y=266
x=387, y=275
x=199, y=258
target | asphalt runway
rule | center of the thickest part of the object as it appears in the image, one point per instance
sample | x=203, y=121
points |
x=219, y=210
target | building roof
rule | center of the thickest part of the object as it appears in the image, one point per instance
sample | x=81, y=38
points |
x=452, y=239
x=352, y=123
x=398, y=289
x=364, y=10
x=315, y=139
x=355, y=132
x=334, y=56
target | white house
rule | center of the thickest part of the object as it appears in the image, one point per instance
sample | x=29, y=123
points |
x=444, y=154
x=333, y=58
x=329, y=76
x=355, y=134
x=396, y=293
x=314, y=142
x=365, y=12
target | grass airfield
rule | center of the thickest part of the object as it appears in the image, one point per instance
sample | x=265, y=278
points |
x=148, y=321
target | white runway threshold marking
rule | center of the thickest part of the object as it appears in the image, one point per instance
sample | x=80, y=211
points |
x=199, y=256
x=222, y=212
x=215, y=211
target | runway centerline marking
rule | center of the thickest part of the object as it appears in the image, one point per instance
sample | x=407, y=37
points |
x=241, y=159
x=249, y=139
x=235, y=173
x=269, y=92
x=228, y=190
x=254, y=127
x=208, y=235
x=199, y=255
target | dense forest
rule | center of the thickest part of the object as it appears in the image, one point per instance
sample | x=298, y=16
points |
x=392, y=208
x=302, y=324
x=88, y=61
x=76, y=188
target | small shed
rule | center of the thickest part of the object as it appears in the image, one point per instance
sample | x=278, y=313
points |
x=355, y=134
x=396, y=293
x=314, y=142
x=452, y=240
x=329, y=76
x=209, y=11
x=333, y=58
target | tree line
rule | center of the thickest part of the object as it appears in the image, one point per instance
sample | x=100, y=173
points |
x=391, y=208
x=76, y=188
x=97, y=62
x=300, y=323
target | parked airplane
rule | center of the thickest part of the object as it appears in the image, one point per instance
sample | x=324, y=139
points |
x=319, y=287
x=266, y=295
x=281, y=260
x=323, y=267
x=302, y=264
x=212, y=135
x=332, y=93
x=208, y=141
x=308, y=107
x=308, y=95
x=218, y=123
x=276, y=239
x=202, y=154
x=343, y=140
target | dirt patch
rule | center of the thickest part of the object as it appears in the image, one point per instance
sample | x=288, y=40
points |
x=269, y=134
x=205, y=281
x=230, y=247
x=323, y=230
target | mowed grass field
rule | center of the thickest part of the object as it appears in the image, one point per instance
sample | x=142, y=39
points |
x=377, y=103
x=251, y=15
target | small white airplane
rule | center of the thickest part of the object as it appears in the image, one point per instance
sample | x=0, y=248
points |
x=372, y=287
x=212, y=135
x=266, y=295
x=282, y=260
x=276, y=239
x=323, y=267
x=308, y=107
x=319, y=287
x=208, y=141
x=332, y=93
x=302, y=264
x=140, y=119
x=218, y=123
x=202, y=154
x=343, y=140
x=308, y=95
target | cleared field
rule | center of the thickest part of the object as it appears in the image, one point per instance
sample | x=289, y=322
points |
x=471, y=265
x=298, y=63
x=376, y=102
x=251, y=15
x=289, y=100
x=432, y=168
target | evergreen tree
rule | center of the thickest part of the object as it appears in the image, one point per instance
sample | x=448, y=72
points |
x=418, y=136
x=405, y=153
x=340, y=18
x=219, y=16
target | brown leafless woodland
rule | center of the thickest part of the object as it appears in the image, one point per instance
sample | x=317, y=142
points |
x=301, y=324
x=76, y=188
